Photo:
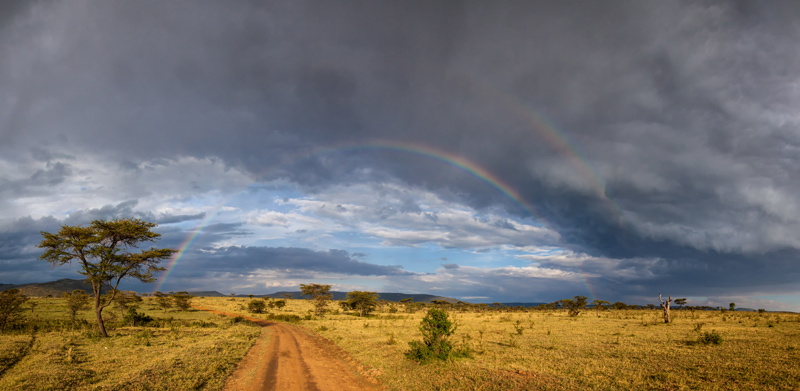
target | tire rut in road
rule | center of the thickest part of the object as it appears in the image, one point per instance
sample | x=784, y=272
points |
x=288, y=358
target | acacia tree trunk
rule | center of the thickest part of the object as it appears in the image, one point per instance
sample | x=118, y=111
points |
x=98, y=310
x=665, y=307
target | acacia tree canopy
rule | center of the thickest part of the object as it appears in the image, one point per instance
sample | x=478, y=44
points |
x=105, y=250
x=364, y=302
x=320, y=293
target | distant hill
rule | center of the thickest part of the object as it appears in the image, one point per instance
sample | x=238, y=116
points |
x=207, y=294
x=418, y=298
x=526, y=305
x=54, y=288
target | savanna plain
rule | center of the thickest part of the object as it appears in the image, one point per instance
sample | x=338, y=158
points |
x=505, y=348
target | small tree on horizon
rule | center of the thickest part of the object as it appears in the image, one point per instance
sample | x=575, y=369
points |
x=575, y=305
x=600, y=305
x=362, y=301
x=408, y=302
x=104, y=251
x=182, y=300
x=163, y=300
x=619, y=306
x=320, y=294
x=256, y=306
x=681, y=302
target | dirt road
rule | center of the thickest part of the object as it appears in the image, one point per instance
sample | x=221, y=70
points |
x=288, y=358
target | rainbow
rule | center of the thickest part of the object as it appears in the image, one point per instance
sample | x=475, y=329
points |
x=588, y=286
x=188, y=243
x=452, y=160
x=556, y=138
x=399, y=146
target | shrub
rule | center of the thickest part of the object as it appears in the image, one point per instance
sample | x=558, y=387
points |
x=136, y=318
x=436, y=329
x=709, y=338
x=291, y=318
x=256, y=306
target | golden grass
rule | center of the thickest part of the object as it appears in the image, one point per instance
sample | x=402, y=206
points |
x=619, y=350
x=627, y=349
x=196, y=350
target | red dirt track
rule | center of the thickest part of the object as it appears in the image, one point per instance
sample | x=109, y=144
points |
x=291, y=359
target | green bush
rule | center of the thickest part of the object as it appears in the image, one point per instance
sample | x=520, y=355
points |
x=291, y=318
x=134, y=318
x=256, y=306
x=710, y=338
x=436, y=329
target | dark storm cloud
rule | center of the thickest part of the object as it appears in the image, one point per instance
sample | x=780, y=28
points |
x=637, y=130
x=246, y=259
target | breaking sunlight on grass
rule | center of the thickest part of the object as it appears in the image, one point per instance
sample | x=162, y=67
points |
x=508, y=348
x=178, y=350
x=548, y=349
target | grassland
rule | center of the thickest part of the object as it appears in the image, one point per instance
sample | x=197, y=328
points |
x=183, y=351
x=613, y=349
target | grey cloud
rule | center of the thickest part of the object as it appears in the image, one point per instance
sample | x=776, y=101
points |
x=246, y=259
x=172, y=219
x=450, y=266
x=664, y=130
x=105, y=212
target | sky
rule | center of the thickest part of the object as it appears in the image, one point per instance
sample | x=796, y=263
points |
x=485, y=151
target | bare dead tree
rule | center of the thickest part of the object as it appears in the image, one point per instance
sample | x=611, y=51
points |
x=665, y=307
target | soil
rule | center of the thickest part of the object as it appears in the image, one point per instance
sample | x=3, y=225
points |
x=289, y=358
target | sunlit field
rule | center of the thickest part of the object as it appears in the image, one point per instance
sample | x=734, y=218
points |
x=182, y=350
x=611, y=349
x=530, y=349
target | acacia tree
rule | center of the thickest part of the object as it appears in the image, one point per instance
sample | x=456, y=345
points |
x=681, y=302
x=319, y=293
x=163, y=300
x=408, y=302
x=126, y=300
x=574, y=305
x=77, y=300
x=11, y=302
x=105, y=252
x=256, y=306
x=363, y=302
x=182, y=300
x=600, y=305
